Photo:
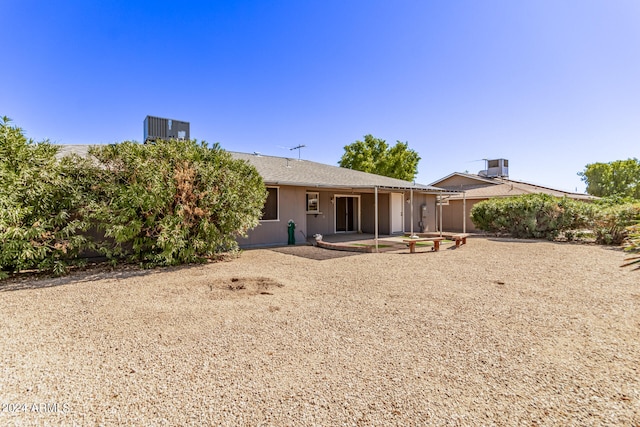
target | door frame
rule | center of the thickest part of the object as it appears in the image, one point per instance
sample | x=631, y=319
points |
x=391, y=213
x=335, y=213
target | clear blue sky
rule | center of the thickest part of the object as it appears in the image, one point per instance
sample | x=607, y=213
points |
x=550, y=85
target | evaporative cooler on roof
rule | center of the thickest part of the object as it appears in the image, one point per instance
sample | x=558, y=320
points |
x=158, y=128
x=498, y=168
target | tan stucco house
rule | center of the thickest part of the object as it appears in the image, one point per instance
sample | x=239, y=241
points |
x=325, y=199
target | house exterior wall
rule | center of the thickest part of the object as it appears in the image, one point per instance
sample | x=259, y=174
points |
x=368, y=218
x=419, y=223
x=291, y=205
x=368, y=213
x=452, y=216
x=322, y=223
x=459, y=181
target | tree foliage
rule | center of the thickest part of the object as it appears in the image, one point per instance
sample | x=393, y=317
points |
x=620, y=178
x=374, y=155
x=170, y=202
x=40, y=225
x=164, y=203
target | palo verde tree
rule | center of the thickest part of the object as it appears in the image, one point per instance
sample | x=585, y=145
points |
x=620, y=179
x=40, y=224
x=171, y=202
x=374, y=155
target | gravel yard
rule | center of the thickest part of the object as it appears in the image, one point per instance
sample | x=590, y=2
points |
x=498, y=332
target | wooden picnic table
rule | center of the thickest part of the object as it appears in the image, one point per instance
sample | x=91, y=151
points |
x=412, y=243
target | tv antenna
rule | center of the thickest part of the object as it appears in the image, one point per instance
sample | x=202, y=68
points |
x=298, y=148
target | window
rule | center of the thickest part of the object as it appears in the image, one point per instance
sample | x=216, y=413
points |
x=270, y=209
x=313, y=203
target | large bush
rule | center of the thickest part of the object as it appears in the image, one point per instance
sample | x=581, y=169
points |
x=532, y=216
x=169, y=202
x=40, y=225
x=633, y=246
x=611, y=224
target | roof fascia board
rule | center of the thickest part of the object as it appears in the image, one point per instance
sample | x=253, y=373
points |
x=363, y=187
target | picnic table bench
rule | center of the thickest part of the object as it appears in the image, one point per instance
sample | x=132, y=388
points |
x=412, y=243
x=460, y=239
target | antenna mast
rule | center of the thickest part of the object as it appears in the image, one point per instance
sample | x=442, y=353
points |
x=298, y=148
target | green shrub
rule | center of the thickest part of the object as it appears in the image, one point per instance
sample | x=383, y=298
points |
x=40, y=225
x=633, y=246
x=532, y=215
x=169, y=202
x=611, y=223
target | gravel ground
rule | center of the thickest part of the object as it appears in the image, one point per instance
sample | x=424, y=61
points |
x=498, y=332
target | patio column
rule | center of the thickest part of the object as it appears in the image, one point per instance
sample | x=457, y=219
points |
x=376, y=215
x=440, y=216
x=464, y=211
x=411, y=205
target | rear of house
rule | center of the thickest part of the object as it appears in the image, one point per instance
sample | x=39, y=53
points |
x=325, y=199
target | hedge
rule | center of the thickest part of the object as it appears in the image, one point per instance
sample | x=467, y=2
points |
x=162, y=203
x=544, y=216
x=532, y=215
x=40, y=224
x=170, y=202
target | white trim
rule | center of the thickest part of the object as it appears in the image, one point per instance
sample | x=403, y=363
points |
x=391, y=213
x=335, y=213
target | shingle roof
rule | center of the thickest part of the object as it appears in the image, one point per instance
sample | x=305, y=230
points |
x=285, y=171
x=80, y=150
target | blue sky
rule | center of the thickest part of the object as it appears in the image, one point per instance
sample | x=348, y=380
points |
x=551, y=85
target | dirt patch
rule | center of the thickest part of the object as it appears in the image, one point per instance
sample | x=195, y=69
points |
x=244, y=286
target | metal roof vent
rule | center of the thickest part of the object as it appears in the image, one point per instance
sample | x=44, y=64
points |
x=158, y=128
x=498, y=168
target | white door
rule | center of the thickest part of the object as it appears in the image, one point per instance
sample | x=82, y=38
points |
x=397, y=225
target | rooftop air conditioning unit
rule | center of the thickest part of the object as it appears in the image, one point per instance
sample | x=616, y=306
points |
x=498, y=168
x=158, y=128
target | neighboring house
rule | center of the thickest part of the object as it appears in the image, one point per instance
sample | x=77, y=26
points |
x=491, y=183
x=325, y=199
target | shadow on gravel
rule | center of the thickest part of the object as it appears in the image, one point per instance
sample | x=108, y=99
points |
x=313, y=252
x=514, y=240
x=38, y=281
x=555, y=242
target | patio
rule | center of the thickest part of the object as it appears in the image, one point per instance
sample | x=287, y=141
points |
x=362, y=242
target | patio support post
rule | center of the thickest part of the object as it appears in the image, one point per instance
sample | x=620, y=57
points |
x=411, y=206
x=440, y=216
x=464, y=211
x=376, y=215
